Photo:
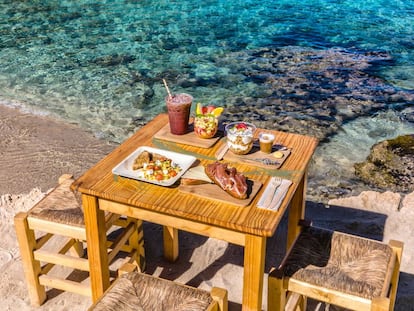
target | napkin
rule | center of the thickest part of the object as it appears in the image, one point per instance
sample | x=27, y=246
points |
x=274, y=194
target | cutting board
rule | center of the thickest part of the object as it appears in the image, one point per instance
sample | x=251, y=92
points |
x=190, y=138
x=255, y=157
x=214, y=192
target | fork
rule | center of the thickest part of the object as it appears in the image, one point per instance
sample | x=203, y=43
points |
x=279, y=194
x=271, y=190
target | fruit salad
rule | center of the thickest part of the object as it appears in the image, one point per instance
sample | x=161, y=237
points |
x=206, y=120
x=240, y=137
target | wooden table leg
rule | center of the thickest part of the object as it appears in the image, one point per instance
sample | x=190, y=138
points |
x=96, y=242
x=171, y=243
x=296, y=211
x=254, y=261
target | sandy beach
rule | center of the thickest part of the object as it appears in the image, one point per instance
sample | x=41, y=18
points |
x=36, y=150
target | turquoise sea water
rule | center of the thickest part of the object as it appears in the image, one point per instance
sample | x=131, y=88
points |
x=101, y=63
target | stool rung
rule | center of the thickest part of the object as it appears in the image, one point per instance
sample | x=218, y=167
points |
x=60, y=259
x=66, y=285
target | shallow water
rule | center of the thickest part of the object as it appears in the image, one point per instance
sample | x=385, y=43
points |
x=100, y=63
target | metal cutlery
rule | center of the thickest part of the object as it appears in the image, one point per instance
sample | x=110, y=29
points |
x=265, y=161
x=269, y=192
x=279, y=194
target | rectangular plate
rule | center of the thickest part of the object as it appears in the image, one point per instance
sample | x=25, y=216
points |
x=125, y=167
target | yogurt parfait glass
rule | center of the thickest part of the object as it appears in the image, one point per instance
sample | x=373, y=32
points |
x=240, y=137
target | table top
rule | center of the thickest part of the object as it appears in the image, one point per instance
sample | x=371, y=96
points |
x=99, y=181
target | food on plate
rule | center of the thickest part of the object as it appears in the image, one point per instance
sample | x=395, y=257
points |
x=228, y=179
x=153, y=166
x=143, y=158
x=206, y=120
x=278, y=154
x=240, y=137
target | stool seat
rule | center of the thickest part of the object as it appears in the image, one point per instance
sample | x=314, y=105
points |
x=60, y=206
x=340, y=262
x=139, y=291
x=336, y=268
x=52, y=238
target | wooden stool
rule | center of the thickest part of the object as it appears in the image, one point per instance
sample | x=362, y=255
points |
x=337, y=268
x=59, y=216
x=142, y=292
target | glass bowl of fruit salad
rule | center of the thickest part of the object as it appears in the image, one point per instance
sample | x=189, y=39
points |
x=206, y=120
x=240, y=137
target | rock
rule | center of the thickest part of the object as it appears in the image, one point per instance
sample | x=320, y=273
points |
x=371, y=200
x=390, y=165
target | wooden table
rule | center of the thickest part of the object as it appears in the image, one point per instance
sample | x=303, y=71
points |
x=245, y=226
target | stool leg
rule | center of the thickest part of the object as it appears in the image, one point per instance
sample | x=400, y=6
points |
x=276, y=296
x=136, y=240
x=380, y=304
x=27, y=244
x=397, y=247
x=220, y=295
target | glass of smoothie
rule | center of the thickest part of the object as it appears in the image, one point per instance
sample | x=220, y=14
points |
x=179, y=106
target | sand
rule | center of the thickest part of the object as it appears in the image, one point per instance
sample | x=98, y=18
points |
x=36, y=150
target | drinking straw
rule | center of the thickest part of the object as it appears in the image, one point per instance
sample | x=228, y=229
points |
x=166, y=86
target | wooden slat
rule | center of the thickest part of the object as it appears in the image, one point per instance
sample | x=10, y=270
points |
x=330, y=296
x=63, y=260
x=66, y=285
x=43, y=240
x=121, y=240
x=57, y=228
x=63, y=250
x=203, y=229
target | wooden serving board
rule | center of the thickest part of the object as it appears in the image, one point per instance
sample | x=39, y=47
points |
x=190, y=138
x=214, y=192
x=255, y=156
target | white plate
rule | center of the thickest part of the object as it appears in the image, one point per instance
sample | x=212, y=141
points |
x=125, y=167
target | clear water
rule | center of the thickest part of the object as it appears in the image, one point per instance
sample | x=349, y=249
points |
x=101, y=63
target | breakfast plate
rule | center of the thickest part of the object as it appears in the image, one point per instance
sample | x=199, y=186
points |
x=170, y=165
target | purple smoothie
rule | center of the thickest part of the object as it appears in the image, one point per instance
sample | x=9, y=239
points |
x=179, y=106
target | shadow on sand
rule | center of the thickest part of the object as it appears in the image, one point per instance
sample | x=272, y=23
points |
x=354, y=221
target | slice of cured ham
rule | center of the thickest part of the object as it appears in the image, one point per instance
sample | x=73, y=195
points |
x=228, y=179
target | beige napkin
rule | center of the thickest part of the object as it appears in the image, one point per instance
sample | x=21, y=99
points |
x=274, y=194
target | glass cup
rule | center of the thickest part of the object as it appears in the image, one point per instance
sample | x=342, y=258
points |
x=240, y=137
x=179, y=107
x=205, y=126
x=266, y=142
